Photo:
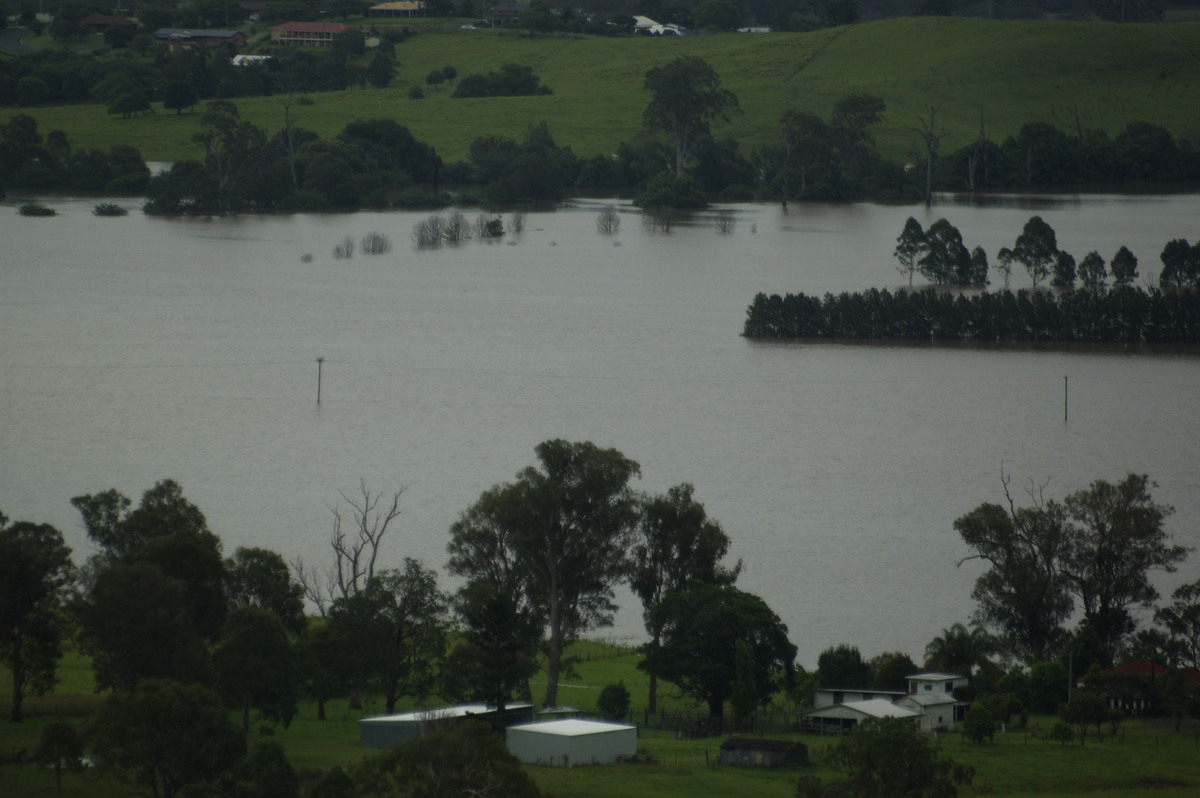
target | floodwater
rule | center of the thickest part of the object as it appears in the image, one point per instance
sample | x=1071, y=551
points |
x=135, y=349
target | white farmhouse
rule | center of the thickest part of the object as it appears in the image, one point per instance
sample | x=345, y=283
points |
x=929, y=702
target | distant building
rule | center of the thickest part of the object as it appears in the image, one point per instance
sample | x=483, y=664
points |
x=177, y=39
x=307, y=34
x=98, y=23
x=1134, y=686
x=399, y=8
x=249, y=60
x=646, y=25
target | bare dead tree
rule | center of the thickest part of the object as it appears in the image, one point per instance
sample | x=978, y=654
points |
x=357, y=535
x=932, y=136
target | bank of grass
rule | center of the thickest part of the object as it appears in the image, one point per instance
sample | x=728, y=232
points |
x=1007, y=72
x=1144, y=760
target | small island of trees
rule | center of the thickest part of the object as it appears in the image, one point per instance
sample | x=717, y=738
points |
x=1091, y=313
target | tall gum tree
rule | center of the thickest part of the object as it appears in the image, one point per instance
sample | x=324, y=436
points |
x=35, y=569
x=686, y=100
x=677, y=543
x=562, y=531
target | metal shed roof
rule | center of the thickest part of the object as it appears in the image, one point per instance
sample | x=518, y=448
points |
x=572, y=727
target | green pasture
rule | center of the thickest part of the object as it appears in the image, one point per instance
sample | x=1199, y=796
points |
x=1144, y=760
x=1003, y=73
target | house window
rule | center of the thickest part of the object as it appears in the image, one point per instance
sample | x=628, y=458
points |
x=838, y=697
x=929, y=688
x=949, y=687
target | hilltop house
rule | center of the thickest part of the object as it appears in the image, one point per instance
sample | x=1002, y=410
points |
x=310, y=34
x=183, y=39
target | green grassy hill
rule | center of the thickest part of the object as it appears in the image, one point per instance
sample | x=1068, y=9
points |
x=1010, y=72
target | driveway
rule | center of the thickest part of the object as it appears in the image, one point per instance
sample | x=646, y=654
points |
x=10, y=41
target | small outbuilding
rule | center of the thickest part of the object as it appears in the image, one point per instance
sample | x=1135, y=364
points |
x=386, y=731
x=566, y=743
x=750, y=753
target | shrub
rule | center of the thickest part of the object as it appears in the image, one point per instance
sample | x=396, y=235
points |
x=374, y=243
x=109, y=209
x=36, y=209
x=608, y=220
x=669, y=190
x=613, y=701
x=344, y=249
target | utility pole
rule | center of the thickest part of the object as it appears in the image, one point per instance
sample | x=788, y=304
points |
x=1064, y=398
x=320, y=360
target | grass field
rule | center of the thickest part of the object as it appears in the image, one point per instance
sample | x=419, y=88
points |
x=1007, y=72
x=1145, y=760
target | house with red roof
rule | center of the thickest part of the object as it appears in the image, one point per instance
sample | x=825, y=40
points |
x=308, y=34
x=1134, y=686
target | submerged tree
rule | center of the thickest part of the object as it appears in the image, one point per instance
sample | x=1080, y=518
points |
x=1036, y=249
x=911, y=247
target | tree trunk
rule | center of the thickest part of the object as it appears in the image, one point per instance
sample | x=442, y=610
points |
x=18, y=682
x=320, y=709
x=555, y=644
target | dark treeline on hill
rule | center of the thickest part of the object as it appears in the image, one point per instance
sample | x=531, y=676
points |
x=1123, y=315
x=53, y=77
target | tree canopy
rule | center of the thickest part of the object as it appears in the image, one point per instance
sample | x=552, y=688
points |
x=35, y=572
x=166, y=736
x=702, y=625
x=686, y=100
x=676, y=544
x=559, y=535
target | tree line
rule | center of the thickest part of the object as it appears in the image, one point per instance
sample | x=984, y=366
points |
x=1127, y=315
x=677, y=161
x=538, y=557
x=180, y=634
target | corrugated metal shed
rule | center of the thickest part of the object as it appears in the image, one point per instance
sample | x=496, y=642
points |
x=749, y=752
x=386, y=731
x=566, y=743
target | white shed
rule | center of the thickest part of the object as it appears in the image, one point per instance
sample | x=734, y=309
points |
x=386, y=731
x=566, y=743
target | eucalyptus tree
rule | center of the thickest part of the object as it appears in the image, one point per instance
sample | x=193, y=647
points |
x=1124, y=267
x=35, y=572
x=946, y=260
x=911, y=247
x=1181, y=619
x=393, y=633
x=1064, y=270
x=1115, y=536
x=702, y=628
x=1036, y=248
x=1022, y=594
x=1092, y=271
x=676, y=544
x=559, y=535
x=686, y=100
